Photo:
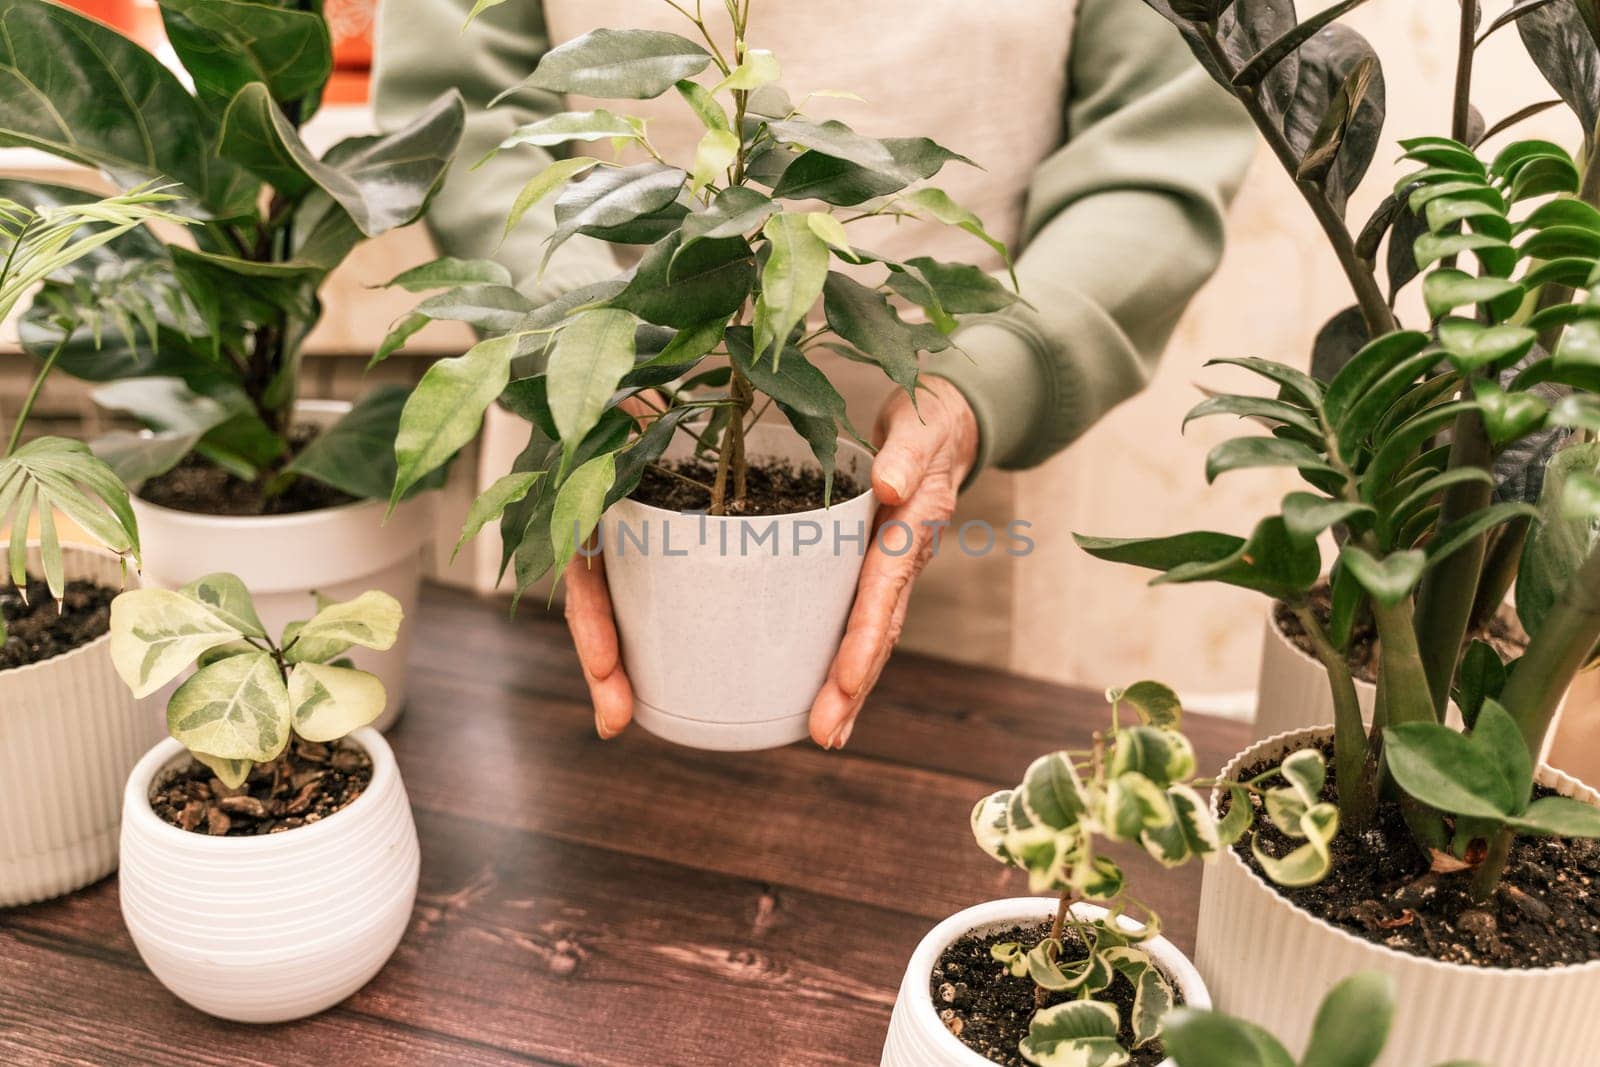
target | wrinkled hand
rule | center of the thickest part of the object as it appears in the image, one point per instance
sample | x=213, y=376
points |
x=924, y=455
x=921, y=463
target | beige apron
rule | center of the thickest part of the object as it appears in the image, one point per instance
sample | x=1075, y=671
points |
x=986, y=80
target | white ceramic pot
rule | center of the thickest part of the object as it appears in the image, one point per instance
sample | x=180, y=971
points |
x=267, y=929
x=69, y=734
x=917, y=1037
x=339, y=552
x=728, y=625
x=1270, y=962
x=1294, y=693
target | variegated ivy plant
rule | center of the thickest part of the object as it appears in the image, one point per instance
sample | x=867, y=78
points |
x=1351, y=1029
x=250, y=692
x=1134, y=786
x=1425, y=450
x=741, y=245
x=43, y=230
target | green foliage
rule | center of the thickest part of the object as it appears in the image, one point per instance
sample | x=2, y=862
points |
x=270, y=219
x=249, y=693
x=741, y=245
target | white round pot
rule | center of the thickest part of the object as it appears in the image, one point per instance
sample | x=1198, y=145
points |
x=918, y=1038
x=284, y=559
x=267, y=929
x=69, y=734
x=1294, y=693
x=1270, y=962
x=728, y=625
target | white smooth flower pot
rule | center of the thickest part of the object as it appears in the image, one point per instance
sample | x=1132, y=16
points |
x=729, y=624
x=267, y=929
x=284, y=559
x=1270, y=962
x=917, y=1036
x=69, y=734
x=1293, y=693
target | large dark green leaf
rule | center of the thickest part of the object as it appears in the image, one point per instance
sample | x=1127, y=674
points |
x=227, y=44
x=839, y=141
x=1564, y=49
x=737, y=211
x=710, y=279
x=866, y=319
x=356, y=453
x=612, y=198
x=381, y=182
x=818, y=176
x=1328, y=124
x=1271, y=561
x=795, y=383
x=1245, y=453
x=619, y=64
x=77, y=89
x=1448, y=771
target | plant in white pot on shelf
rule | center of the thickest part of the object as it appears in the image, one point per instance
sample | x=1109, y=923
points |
x=1068, y=959
x=236, y=472
x=269, y=856
x=68, y=732
x=1436, y=872
x=643, y=393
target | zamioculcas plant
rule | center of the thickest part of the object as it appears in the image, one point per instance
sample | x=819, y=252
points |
x=1423, y=449
x=741, y=245
x=251, y=693
x=51, y=231
x=221, y=322
x=1133, y=787
x=1351, y=1029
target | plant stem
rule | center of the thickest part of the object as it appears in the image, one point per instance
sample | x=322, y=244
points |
x=1356, y=795
x=1375, y=308
x=1040, y=994
x=1449, y=590
x=1405, y=681
x=1461, y=114
x=1555, y=655
x=1487, y=878
x=33, y=394
x=1499, y=571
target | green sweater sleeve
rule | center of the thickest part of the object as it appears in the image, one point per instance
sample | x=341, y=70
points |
x=421, y=51
x=1123, y=225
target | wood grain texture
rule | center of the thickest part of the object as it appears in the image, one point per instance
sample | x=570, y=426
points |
x=621, y=904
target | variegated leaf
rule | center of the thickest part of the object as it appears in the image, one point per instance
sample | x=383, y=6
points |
x=990, y=823
x=371, y=620
x=1306, y=771
x=330, y=702
x=232, y=772
x=1309, y=863
x=229, y=600
x=1152, y=993
x=1163, y=756
x=237, y=709
x=1010, y=954
x=157, y=633
x=1134, y=804
x=1052, y=792
x=1079, y=1033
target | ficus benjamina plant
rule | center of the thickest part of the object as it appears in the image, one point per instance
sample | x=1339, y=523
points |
x=41, y=235
x=1447, y=459
x=250, y=691
x=740, y=245
x=1134, y=786
x=203, y=336
x=1351, y=1028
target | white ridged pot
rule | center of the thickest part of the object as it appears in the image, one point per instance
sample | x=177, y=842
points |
x=918, y=1038
x=69, y=734
x=271, y=928
x=728, y=625
x=1270, y=962
x=339, y=552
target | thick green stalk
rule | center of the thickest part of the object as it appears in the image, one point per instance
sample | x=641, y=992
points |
x=1500, y=565
x=1407, y=699
x=1556, y=654
x=1357, y=796
x=1487, y=877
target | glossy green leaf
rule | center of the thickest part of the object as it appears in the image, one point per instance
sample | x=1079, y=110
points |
x=1464, y=531
x=445, y=410
x=612, y=198
x=227, y=44
x=1446, y=770
x=737, y=211
x=1559, y=817
x=1482, y=676
x=565, y=127
x=1388, y=580
x=687, y=287
x=795, y=382
x=865, y=318
x=1210, y=1039
x=542, y=185
x=1260, y=408
x=759, y=67
x=791, y=282
x=448, y=272
x=1248, y=453
x=589, y=358
x=705, y=107
x=1445, y=290
x=958, y=288
x=1352, y=1024
x=1307, y=515
x=492, y=503
x=817, y=176
x=578, y=506
x=1270, y=562
x=1508, y=416
x=1470, y=345
x=618, y=65
x=1304, y=387
x=1367, y=366
x=1431, y=248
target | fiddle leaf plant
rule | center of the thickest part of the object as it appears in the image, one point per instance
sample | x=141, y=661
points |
x=1134, y=786
x=742, y=245
x=1446, y=460
x=213, y=368
x=43, y=231
x=250, y=692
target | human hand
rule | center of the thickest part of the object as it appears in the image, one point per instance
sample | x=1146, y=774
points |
x=925, y=454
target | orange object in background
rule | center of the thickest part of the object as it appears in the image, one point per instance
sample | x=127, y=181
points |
x=118, y=13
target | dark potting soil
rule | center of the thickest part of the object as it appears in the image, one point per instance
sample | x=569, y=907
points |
x=199, y=486
x=1503, y=632
x=306, y=784
x=37, y=630
x=771, y=488
x=988, y=1008
x=1382, y=888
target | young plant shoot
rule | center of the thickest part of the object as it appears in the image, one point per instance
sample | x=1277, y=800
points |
x=251, y=692
x=741, y=245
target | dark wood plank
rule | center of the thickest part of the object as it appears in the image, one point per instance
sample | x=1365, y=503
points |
x=610, y=904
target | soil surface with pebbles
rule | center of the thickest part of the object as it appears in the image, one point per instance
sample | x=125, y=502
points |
x=306, y=784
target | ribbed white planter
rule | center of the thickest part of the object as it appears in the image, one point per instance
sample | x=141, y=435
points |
x=339, y=552
x=917, y=1037
x=267, y=929
x=768, y=608
x=1270, y=962
x=69, y=734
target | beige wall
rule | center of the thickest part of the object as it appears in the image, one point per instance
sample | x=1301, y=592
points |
x=1097, y=624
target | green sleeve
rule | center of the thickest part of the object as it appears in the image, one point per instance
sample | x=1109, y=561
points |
x=421, y=51
x=1123, y=225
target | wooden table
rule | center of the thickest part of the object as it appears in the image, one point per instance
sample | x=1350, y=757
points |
x=628, y=903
